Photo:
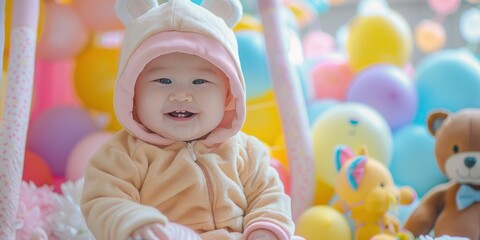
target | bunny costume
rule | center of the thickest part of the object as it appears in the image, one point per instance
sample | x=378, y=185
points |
x=222, y=186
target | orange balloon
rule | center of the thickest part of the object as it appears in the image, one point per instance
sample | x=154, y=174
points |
x=429, y=36
x=36, y=170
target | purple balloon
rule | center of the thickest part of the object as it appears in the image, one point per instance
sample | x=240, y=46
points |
x=56, y=131
x=387, y=89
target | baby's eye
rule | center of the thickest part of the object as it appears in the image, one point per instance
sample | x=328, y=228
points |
x=163, y=81
x=455, y=148
x=199, y=81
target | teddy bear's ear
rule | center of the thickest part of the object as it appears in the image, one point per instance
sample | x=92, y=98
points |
x=435, y=120
x=356, y=171
x=129, y=10
x=342, y=155
x=229, y=10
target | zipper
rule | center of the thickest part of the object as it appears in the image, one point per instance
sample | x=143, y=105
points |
x=207, y=179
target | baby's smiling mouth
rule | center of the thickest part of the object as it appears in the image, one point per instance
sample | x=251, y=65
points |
x=181, y=114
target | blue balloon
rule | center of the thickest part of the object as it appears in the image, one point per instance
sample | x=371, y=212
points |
x=413, y=162
x=320, y=6
x=449, y=80
x=253, y=59
x=317, y=107
x=198, y=2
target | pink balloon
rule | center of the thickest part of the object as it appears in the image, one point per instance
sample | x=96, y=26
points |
x=331, y=79
x=53, y=86
x=98, y=15
x=64, y=34
x=82, y=152
x=316, y=43
x=444, y=7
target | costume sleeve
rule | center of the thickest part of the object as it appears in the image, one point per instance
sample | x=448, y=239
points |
x=110, y=200
x=268, y=206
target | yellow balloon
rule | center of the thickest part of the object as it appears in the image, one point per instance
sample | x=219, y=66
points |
x=323, y=193
x=8, y=24
x=429, y=36
x=323, y=222
x=376, y=39
x=94, y=77
x=353, y=125
x=279, y=151
x=263, y=118
x=248, y=23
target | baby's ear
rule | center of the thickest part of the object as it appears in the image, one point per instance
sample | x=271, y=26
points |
x=129, y=10
x=229, y=10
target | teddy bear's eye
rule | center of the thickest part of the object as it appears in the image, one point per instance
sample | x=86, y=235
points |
x=455, y=148
x=382, y=185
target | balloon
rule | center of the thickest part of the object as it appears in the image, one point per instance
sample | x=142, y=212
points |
x=414, y=158
x=251, y=50
x=53, y=86
x=36, y=170
x=302, y=13
x=320, y=6
x=331, y=79
x=279, y=151
x=336, y=2
x=316, y=43
x=64, y=35
x=388, y=90
x=444, y=7
x=263, y=118
x=429, y=36
x=82, y=152
x=323, y=222
x=248, y=23
x=94, y=77
x=469, y=22
x=316, y=108
x=55, y=132
x=354, y=125
x=376, y=39
x=450, y=80
x=323, y=193
x=98, y=15
x=283, y=174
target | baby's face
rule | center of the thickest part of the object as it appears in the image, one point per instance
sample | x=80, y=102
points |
x=180, y=96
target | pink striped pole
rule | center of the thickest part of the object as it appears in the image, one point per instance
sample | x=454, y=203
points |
x=13, y=132
x=292, y=109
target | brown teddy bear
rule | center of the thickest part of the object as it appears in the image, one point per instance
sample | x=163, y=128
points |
x=453, y=208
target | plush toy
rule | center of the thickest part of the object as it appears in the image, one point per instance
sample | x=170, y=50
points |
x=453, y=208
x=366, y=191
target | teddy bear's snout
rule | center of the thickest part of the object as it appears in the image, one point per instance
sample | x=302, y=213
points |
x=470, y=161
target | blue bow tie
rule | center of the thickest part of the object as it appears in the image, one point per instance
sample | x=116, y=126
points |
x=466, y=196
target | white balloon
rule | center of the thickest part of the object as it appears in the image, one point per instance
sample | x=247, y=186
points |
x=371, y=7
x=469, y=25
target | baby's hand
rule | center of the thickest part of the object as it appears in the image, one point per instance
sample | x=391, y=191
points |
x=149, y=232
x=262, y=234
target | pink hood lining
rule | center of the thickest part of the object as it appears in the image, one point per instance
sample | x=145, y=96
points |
x=189, y=43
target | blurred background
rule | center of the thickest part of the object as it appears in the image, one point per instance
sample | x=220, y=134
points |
x=370, y=72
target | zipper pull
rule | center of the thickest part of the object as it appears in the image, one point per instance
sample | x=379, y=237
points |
x=191, y=152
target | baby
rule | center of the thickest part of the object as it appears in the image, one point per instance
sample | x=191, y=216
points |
x=181, y=168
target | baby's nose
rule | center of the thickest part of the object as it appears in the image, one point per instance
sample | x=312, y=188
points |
x=180, y=97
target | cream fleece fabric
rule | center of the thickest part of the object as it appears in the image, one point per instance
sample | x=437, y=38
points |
x=220, y=194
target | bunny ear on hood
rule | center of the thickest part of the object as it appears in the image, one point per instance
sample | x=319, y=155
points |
x=154, y=29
